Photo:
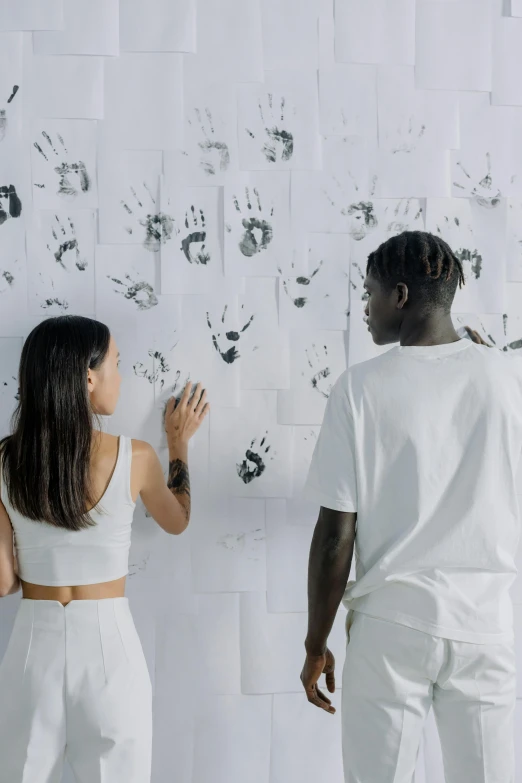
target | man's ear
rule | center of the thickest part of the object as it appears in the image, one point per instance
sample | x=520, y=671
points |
x=401, y=292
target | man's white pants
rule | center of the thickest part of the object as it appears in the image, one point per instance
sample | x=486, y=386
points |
x=74, y=682
x=394, y=674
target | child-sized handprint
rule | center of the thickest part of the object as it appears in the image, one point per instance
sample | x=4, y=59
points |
x=411, y=136
x=229, y=355
x=258, y=231
x=215, y=152
x=3, y=113
x=197, y=236
x=73, y=176
x=483, y=191
x=254, y=463
x=158, y=226
x=10, y=204
x=66, y=241
x=317, y=359
x=280, y=143
x=142, y=293
x=302, y=280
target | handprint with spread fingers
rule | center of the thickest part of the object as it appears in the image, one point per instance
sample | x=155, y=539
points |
x=73, y=177
x=66, y=244
x=279, y=142
x=317, y=359
x=255, y=461
x=193, y=245
x=157, y=226
x=229, y=355
x=257, y=224
x=215, y=152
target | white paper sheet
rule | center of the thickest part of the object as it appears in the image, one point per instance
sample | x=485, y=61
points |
x=250, y=453
x=10, y=351
x=192, y=257
x=462, y=30
x=411, y=119
x=31, y=14
x=229, y=43
x=158, y=26
x=147, y=116
x=287, y=589
x=455, y=222
x=208, y=348
x=278, y=122
x=327, y=35
x=290, y=33
x=516, y=8
x=233, y=740
x=211, y=150
x=316, y=361
x=376, y=31
x=514, y=240
x=228, y=545
x=129, y=198
x=217, y=648
x=265, y=361
x=89, y=27
x=361, y=347
x=63, y=157
x=288, y=761
x=12, y=86
x=318, y=299
x=257, y=223
x=413, y=173
x=66, y=87
x=507, y=62
x=348, y=101
x=60, y=263
x=13, y=279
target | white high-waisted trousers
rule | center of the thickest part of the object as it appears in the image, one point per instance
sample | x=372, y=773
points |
x=394, y=674
x=74, y=682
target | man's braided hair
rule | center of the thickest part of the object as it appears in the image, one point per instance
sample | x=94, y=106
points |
x=423, y=261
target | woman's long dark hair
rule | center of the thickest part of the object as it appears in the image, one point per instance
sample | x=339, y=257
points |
x=45, y=462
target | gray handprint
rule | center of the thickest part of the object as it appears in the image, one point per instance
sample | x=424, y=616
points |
x=258, y=231
x=10, y=203
x=228, y=355
x=73, y=176
x=318, y=362
x=482, y=191
x=158, y=225
x=3, y=113
x=280, y=142
x=66, y=241
x=141, y=293
x=210, y=145
x=196, y=237
x=302, y=280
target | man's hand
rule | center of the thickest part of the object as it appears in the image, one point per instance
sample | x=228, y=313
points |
x=315, y=665
x=475, y=336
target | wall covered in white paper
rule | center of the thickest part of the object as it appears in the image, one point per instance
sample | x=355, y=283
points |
x=208, y=178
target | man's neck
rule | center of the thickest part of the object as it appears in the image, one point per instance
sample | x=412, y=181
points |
x=432, y=330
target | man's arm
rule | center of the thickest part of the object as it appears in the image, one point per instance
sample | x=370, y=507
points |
x=329, y=566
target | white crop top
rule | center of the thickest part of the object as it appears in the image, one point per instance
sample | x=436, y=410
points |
x=57, y=557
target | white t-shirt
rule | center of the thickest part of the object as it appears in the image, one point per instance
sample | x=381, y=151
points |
x=423, y=442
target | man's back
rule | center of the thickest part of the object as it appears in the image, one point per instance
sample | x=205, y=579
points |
x=436, y=434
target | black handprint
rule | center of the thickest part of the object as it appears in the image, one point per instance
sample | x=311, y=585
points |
x=3, y=113
x=66, y=244
x=141, y=293
x=231, y=354
x=65, y=169
x=281, y=142
x=10, y=199
x=300, y=301
x=210, y=143
x=365, y=218
x=158, y=225
x=249, y=244
x=322, y=371
x=202, y=256
x=253, y=465
x=160, y=366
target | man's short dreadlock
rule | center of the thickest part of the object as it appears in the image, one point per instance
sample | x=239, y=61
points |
x=424, y=262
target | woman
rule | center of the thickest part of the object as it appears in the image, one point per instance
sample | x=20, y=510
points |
x=74, y=680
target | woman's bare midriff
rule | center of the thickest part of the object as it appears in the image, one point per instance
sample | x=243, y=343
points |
x=115, y=589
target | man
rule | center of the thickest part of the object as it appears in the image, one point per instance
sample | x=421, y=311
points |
x=415, y=467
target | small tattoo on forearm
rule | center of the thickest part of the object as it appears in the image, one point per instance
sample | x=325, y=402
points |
x=179, y=482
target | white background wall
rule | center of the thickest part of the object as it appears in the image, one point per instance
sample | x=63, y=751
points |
x=339, y=131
